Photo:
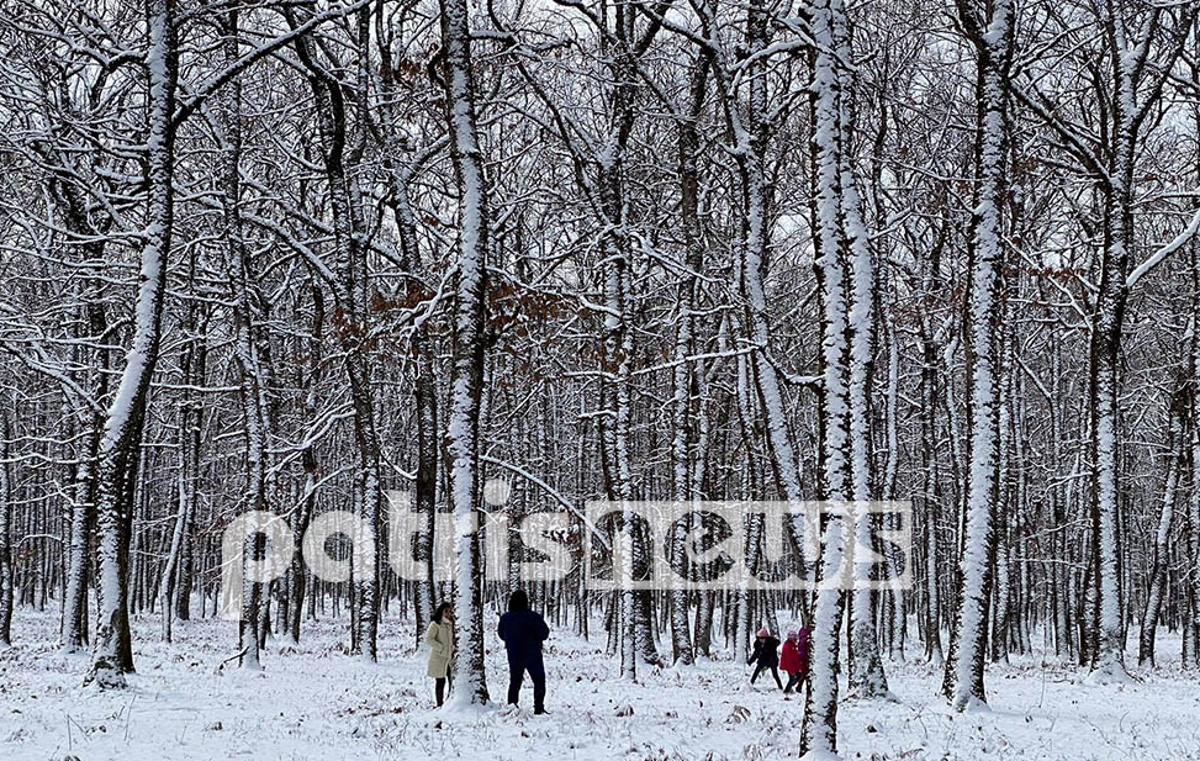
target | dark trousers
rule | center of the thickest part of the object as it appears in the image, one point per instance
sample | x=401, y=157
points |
x=794, y=680
x=439, y=690
x=537, y=674
x=774, y=672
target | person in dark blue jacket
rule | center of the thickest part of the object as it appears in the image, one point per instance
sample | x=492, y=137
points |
x=523, y=632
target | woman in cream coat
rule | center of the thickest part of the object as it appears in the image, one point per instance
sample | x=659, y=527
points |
x=440, y=638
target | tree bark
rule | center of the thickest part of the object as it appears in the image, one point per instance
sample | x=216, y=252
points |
x=818, y=735
x=468, y=351
x=992, y=38
x=6, y=559
x=120, y=444
x=1176, y=454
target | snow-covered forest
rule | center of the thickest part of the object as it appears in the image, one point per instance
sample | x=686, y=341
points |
x=292, y=257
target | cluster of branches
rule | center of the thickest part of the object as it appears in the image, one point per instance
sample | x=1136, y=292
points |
x=288, y=256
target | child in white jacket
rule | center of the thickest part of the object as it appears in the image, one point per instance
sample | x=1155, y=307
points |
x=440, y=638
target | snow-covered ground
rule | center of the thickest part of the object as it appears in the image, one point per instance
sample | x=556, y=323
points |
x=315, y=702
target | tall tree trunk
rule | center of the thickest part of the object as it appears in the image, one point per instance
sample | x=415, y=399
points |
x=1193, y=549
x=297, y=578
x=866, y=674
x=366, y=581
x=1007, y=498
x=6, y=558
x=166, y=584
x=254, y=377
x=1108, y=652
x=74, y=630
x=191, y=423
x=992, y=37
x=425, y=396
x=176, y=579
x=751, y=484
x=621, y=45
x=682, y=405
x=752, y=132
x=818, y=737
x=121, y=443
x=426, y=393
x=425, y=389
x=349, y=283
x=469, y=349
x=930, y=501
x=1176, y=453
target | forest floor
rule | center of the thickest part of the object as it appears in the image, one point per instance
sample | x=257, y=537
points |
x=314, y=702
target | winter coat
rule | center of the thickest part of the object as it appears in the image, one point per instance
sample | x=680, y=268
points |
x=790, y=660
x=766, y=652
x=523, y=632
x=803, y=646
x=440, y=638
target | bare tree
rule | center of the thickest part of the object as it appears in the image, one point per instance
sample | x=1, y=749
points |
x=119, y=447
x=992, y=38
x=827, y=22
x=6, y=555
x=1140, y=48
x=466, y=380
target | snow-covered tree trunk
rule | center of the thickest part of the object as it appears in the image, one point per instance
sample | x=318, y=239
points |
x=684, y=453
x=741, y=598
x=6, y=557
x=366, y=580
x=247, y=317
x=930, y=501
x=1192, y=646
x=166, y=584
x=618, y=341
x=818, y=738
x=751, y=131
x=1176, y=453
x=425, y=389
x=1193, y=549
x=466, y=383
x=87, y=232
x=350, y=285
x=895, y=619
x=1007, y=499
x=1107, y=661
x=120, y=443
x=73, y=633
x=297, y=580
x=618, y=345
x=426, y=392
x=866, y=674
x=992, y=39
x=191, y=431
x=175, y=583
x=681, y=640
x=933, y=603
x=356, y=275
